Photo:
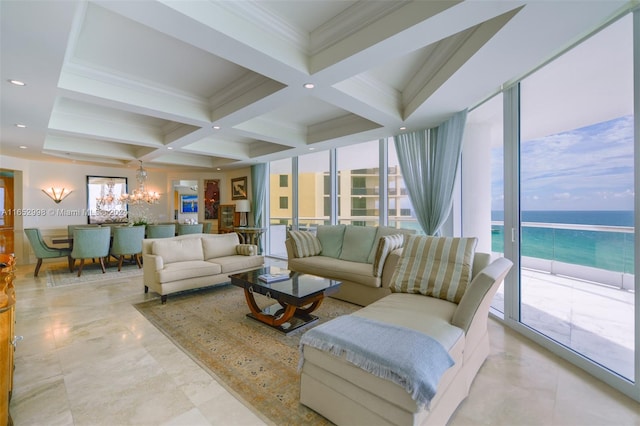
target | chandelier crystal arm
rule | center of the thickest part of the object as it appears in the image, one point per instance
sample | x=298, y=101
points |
x=140, y=195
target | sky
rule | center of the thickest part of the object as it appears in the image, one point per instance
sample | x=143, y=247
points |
x=590, y=168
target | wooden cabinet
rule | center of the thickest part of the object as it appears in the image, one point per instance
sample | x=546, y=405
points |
x=226, y=218
x=7, y=321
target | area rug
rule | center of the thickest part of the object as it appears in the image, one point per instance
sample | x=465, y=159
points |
x=256, y=363
x=58, y=275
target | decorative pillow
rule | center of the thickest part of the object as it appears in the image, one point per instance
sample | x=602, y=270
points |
x=247, y=249
x=330, y=237
x=385, y=246
x=357, y=243
x=305, y=244
x=435, y=266
x=383, y=231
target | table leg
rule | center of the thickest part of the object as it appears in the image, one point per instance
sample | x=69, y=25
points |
x=315, y=304
x=289, y=311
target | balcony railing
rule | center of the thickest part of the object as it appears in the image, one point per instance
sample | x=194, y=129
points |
x=598, y=253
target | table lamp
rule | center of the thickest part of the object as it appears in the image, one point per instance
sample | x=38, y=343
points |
x=243, y=207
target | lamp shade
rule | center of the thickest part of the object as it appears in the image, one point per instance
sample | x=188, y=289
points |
x=242, y=206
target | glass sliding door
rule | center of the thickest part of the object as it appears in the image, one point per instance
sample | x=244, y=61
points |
x=359, y=184
x=314, y=202
x=280, y=205
x=577, y=199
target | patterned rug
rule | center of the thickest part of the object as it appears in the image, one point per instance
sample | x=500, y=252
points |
x=58, y=275
x=253, y=361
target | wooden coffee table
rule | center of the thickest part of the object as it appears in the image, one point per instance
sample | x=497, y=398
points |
x=297, y=297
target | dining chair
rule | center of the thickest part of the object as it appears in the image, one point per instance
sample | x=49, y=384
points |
x=186, y=228
x=43, y=251
x=164, y=230
x=206, y=227
x=90, y=243
x=71, y=228
x=127, y=241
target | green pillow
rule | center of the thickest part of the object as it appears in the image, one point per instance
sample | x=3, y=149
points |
x=357, y=243
x=330, y=237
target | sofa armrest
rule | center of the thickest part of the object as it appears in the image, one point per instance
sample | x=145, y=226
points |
x=247, y=249
x=151, y=264
x=477, y=298
x=153, y=261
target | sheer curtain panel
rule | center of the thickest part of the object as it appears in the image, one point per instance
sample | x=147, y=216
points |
x=429, y=162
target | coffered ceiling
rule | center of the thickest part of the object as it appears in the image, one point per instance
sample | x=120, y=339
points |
x=221, y=84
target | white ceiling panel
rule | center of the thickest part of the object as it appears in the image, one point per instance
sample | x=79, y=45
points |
x=219, y=84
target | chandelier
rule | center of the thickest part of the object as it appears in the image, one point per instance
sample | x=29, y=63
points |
x=140, y=195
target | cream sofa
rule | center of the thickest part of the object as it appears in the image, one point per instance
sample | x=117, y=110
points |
x=348, y=395
x=348, y=254
x=192, y=261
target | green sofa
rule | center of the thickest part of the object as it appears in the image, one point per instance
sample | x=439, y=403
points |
x=347, y=253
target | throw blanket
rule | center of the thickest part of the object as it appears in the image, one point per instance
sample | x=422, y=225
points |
x=404, y=356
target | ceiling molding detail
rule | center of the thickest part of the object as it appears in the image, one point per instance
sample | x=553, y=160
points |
x=221, y=83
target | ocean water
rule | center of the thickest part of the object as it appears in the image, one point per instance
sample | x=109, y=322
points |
x=612, y=251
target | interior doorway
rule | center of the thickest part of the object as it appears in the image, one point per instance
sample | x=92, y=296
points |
x=7, y=207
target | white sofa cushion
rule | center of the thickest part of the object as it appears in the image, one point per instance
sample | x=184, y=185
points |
x=174, y=250
x=435, y=266
x=341, y=270
x=218, y=245
x=237, y=262
x=187, y=269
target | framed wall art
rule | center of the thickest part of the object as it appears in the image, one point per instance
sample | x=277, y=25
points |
x=239, y=188
x=211, y=198
x=188, y=203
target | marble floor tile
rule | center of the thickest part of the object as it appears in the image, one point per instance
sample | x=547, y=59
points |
x=90, y=358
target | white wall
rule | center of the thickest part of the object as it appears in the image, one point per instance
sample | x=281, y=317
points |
x=199, y=177
x=476, y=185
x=53, y=218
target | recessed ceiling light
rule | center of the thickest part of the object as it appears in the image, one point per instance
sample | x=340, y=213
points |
x=309, y=85
x=216, y=127
x=403, y=128
x=311, y=149
x=218, y=168
x=22, y=126
x=17, y=82
x=169, y=147
x=22, y=147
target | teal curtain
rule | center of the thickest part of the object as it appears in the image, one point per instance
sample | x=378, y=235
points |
x=429, y=161
x=258, y=192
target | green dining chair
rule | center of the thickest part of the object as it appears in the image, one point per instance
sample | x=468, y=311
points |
x=90, y=243
x=71, y=228
x=43, y=251
x=186, y=228
x=164, y=230
x=206, y=227
x=127, y=241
